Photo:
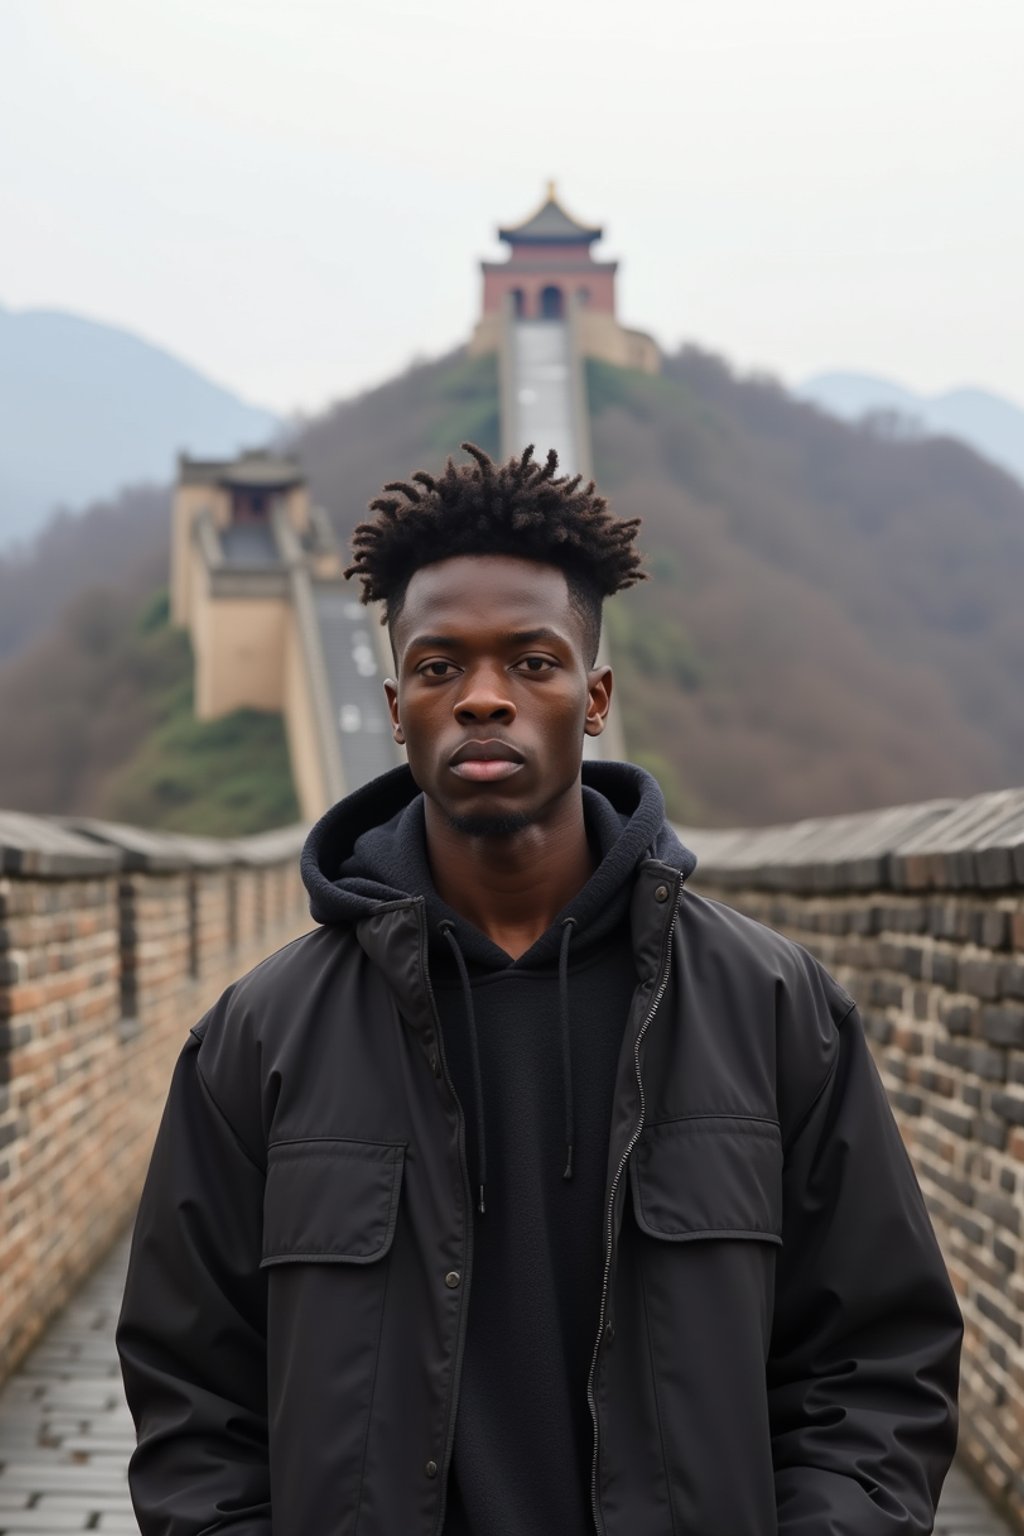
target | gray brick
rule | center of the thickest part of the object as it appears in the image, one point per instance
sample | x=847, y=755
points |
x=991, y=1132
x=982, y=978
x=971, y=1229
x=957, y=1017
x=994, y=928
x=1009, y=1106
x=1003, y=1024
x=942, y=969
x=1002, y=1211
x=954, y=1120
x=985, y=1062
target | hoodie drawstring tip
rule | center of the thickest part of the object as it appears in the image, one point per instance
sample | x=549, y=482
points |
x=481, y=1207
x=567, y=1173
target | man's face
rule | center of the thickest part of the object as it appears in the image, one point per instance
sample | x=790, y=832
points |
x=494, y=694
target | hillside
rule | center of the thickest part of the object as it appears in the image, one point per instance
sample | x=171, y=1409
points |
x=106, y=727
x=833, y=620
x=86, y=408
x=851, y=602
x=123, y=542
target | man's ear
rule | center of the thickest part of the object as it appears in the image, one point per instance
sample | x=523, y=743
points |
x=391, y=693
x=599, y=699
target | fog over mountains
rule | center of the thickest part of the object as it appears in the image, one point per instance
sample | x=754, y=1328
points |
x=86, y=409
x=990, y=424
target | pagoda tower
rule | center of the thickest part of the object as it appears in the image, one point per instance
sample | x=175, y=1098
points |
x=551, y=274
x=551, y=263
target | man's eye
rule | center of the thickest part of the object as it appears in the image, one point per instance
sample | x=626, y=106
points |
x=537, y=663
x=436, y=669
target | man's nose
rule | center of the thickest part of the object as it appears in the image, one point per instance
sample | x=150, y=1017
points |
x=484, y=696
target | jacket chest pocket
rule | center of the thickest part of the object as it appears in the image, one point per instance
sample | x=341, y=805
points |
x=709, y=1176
x=331, y=1201
x=707, y=1200
x=694, y=1306
x=330, y=1212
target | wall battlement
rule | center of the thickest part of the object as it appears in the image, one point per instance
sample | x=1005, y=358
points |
x=113, y=942
x=919, y=912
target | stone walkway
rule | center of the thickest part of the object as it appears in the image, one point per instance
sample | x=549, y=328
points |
x=66, y=1435
x=65, y=1432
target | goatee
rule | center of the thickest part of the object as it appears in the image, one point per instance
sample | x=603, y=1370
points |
x=491, y=826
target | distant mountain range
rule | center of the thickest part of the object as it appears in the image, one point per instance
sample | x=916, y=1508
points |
x=87, y=408
x=989, y=423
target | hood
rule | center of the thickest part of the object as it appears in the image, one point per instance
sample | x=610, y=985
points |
x=368, y=852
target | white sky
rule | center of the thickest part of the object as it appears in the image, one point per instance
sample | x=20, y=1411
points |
x=294, y=194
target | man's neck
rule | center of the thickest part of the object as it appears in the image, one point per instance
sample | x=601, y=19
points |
x=511, y=888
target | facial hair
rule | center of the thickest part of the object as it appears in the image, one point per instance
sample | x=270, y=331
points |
x=491, y=826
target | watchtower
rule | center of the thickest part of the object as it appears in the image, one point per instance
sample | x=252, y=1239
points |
x=552, y=274
x=550, y=263
x=256, y=579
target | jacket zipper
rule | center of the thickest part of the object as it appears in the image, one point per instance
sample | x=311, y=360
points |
x=468, y=1204
x=610, y=1227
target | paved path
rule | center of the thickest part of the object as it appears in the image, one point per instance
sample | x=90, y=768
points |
x=66, y=1435
x=65, y=1432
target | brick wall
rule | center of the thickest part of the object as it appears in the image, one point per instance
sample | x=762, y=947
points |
x=112, y=943
x=919, y=912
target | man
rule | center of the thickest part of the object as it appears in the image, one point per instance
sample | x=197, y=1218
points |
x=531, y=1194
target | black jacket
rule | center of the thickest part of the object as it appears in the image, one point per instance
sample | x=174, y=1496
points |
x=778, y=1340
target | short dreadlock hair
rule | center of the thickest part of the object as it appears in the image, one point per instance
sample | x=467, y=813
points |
x=519, y=508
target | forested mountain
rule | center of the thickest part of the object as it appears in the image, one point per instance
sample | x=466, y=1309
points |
x=833, y=619
x=850, y=602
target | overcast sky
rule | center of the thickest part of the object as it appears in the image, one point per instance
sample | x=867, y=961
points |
x=294, y=195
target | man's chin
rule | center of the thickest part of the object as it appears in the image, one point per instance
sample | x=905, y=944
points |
x=490, y=823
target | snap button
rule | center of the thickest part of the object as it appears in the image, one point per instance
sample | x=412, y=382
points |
x=431, y=1469
x=661, y=893
x=452, y=1279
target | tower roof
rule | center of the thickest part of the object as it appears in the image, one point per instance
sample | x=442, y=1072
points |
x=255, y=469
x=550, y=225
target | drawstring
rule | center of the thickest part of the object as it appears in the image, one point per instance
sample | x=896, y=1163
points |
x=563, y=1020
x=474, y=1048
x=448, y=929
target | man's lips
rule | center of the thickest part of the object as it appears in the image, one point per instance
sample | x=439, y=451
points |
x=484, y=761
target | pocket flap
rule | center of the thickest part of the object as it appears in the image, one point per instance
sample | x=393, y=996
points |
x=709, y=1176
x=331, y=1201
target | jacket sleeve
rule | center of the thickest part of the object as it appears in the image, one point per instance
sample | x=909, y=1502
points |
x=862, y=1372
x=191, y=1335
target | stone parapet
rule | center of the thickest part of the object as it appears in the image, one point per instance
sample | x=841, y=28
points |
x=919, y=912
x=113, y=941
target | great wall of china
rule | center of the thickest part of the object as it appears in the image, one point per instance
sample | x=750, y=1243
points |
x=114, y=940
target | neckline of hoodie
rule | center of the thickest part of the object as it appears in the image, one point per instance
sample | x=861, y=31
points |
x=513, y=971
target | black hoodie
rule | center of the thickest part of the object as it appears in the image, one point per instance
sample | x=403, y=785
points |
x=532, y=1047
